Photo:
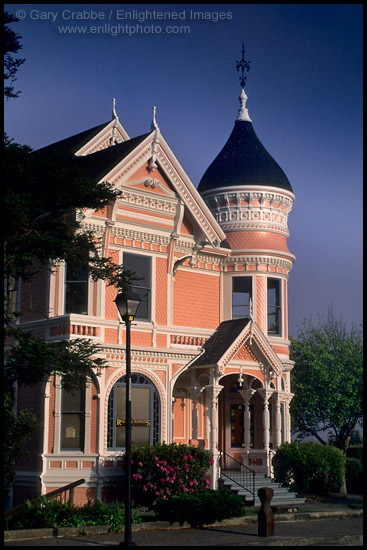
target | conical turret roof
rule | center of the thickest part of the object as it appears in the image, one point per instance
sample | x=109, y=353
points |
x=243, y=160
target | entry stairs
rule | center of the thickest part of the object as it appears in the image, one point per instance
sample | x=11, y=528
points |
x=282, y=495
x=245, y=483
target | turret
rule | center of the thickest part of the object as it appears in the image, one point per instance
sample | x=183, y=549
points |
x=251, y=197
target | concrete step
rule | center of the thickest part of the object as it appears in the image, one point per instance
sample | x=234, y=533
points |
x=282, y=495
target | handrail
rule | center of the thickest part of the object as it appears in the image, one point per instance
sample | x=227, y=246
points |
x=246, y=480
x=56, y=492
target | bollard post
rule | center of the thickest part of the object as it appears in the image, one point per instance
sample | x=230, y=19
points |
x=266, y=515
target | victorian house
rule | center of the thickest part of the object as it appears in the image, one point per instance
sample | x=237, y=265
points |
x=209, y=350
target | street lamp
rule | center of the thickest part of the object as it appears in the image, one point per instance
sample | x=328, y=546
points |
x=127, y=304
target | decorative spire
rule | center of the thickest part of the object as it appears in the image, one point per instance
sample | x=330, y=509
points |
x=113, y=139
x=244, y=66
x=114, y=114
x=152, y=165
x=154, y=125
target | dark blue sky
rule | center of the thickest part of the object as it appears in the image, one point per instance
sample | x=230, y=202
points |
x=304, y=97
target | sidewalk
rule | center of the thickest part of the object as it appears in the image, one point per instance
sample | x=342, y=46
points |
x=318, y=523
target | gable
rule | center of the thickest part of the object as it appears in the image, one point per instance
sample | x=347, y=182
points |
x=244, y=354
x=238, y=339
x=163, y=176
x=111, y=134
x=91, y=140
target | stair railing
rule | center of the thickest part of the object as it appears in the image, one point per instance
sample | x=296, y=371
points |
x=57, y=492
x=237, y=472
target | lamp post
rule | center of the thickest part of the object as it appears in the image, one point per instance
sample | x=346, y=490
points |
x=127, y=304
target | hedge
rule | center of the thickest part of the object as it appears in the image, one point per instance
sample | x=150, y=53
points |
x=203, y=507
x=310, y=468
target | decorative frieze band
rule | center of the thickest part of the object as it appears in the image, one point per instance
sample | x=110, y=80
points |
x=143, y=236
x=160, y=357
x=250, y=210
x=247, y=260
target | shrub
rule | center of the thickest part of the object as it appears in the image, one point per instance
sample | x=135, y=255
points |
x=203, y=507
x=53, y=513
x=168, y=470
x=355, y=451
x=353, y=476
x=309, y=468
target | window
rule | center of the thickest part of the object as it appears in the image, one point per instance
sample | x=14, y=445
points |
x=145, y=412
x=72, y=419
x=274, y=307
x=76, y=289
x=142, y=267
x=241, y=294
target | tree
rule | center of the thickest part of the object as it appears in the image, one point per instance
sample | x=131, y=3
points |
x=11, y=46
x=44, y=197
x=327, y=380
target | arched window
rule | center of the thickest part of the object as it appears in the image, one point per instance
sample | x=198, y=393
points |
x=145, y=412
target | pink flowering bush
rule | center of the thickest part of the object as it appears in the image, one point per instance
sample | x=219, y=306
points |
x=165, y=470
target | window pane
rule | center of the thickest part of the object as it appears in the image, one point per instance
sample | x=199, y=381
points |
x=141, y=265
x=140, y=415
x=76, y=289
x=76, y=273
x=274, y=292
x=72, y=432
x=73, y=403
x=76, y=298
x=241, y=294
x=145, y=412
x=274, y=306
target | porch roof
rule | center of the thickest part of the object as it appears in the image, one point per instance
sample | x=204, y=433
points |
x=216, y=346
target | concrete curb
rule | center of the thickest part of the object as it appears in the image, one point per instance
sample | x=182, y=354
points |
x=26, y=534
x=346, y=540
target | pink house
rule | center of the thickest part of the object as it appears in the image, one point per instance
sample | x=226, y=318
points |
x=210, y=349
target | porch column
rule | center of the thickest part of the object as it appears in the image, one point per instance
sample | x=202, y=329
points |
x=277, y=421
x=246, y=396
x=288, y=418
x=195, y=392
x=213, y=391
x=265, y=394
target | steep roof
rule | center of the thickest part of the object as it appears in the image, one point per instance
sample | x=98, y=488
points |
x=73, y=143
x=243, y=161
x=216, y=346
x=98, y=164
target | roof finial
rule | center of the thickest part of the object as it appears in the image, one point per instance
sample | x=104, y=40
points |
x=154, y=125
x=244, y=66
x=114, y=114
